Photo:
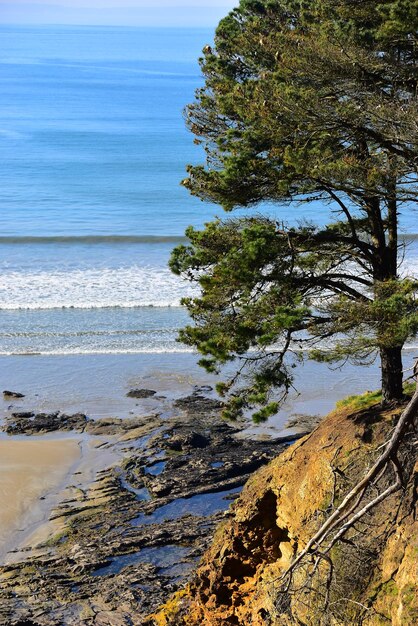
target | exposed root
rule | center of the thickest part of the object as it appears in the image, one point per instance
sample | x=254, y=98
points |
x=346, y=514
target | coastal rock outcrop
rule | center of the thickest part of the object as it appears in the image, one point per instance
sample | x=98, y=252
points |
x=197, y=403
x=374, y=575
x=12, y=394
x=121, y=545
x=29, y=423
x=141, y=393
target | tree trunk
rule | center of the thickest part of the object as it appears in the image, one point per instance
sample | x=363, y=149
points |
x=392, y=377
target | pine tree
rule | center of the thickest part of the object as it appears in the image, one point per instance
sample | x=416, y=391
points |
x=302, y=102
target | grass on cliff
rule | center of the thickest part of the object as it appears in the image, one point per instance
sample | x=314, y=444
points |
x=368, y=399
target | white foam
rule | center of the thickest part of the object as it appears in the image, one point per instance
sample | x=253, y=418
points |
x=409, y=266
x=128, y=287
x=78, y=350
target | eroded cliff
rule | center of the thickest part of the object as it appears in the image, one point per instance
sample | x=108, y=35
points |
x=372, y=576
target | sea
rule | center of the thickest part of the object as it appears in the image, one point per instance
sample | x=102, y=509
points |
x=93, y=146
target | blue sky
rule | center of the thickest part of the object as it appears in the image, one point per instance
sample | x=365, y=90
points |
x=110, y=12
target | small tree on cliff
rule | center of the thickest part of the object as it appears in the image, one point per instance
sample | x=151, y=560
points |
x=304, y=102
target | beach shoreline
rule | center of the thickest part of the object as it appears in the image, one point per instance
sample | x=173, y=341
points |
x=177, y=473
x=98, y=386
x=32, y=477
x=137, y=492
x=37, y=474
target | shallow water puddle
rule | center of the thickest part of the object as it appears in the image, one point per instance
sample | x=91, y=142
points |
x=141, y=494
x=169, y=559
x=156, y=468
x=173, y=561
x=202, y=505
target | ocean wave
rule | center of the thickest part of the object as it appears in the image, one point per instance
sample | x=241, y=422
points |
x=78, y=350
x=88, y=333
x=121, y=239
x=127, y=287
x=40, y=306
x=94, y=239
x=144, y=284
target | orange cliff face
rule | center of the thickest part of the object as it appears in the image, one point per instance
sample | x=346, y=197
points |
x=375, y=573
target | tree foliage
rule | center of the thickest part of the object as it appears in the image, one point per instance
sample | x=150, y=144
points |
x=302, y=102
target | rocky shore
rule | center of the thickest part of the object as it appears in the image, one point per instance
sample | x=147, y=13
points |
x=369, y=578
x=134, y=536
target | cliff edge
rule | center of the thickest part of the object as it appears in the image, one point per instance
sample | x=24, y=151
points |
x=372, y=575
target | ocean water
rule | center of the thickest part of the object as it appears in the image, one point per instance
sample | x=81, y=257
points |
x=93, y=146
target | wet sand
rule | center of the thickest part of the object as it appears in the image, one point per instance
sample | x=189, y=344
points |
x=29, y=472
x=97, y=384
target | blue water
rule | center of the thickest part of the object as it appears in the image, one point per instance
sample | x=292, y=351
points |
x=201, y=505
x=93, y=146
x=169, y=559
x=92, y=135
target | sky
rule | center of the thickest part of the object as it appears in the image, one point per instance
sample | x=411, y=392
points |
x=111, y=12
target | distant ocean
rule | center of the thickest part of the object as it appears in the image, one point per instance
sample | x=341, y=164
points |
x=93, y=147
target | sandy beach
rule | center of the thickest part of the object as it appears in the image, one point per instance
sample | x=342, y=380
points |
x=29, y=471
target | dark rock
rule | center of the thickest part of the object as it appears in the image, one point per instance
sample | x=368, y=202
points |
x=12, y=394
x=48, y=416
x=203, y=455
x=141, y=393
x=197, y=403
x=202, y=388
x=28, y=423
x=183, y=442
